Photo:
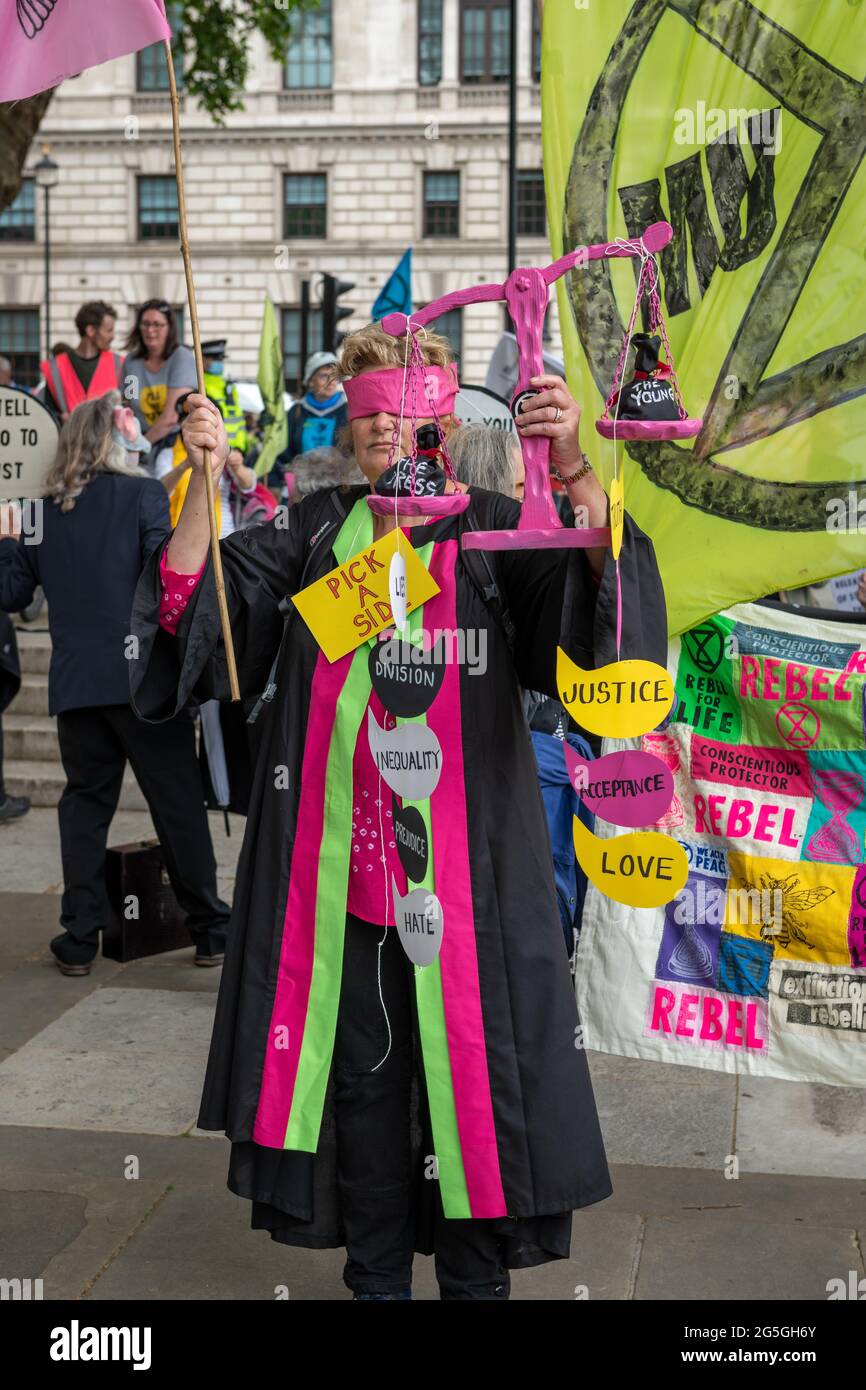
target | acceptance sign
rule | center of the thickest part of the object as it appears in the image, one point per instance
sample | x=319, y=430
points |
x=351, y=603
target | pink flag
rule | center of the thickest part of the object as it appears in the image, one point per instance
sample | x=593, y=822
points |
x=44, y=41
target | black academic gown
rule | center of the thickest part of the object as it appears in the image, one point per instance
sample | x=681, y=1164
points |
x=548, y=1144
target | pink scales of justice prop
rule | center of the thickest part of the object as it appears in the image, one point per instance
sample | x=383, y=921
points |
x=526, y=294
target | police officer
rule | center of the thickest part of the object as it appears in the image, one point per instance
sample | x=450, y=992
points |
x=223, y=394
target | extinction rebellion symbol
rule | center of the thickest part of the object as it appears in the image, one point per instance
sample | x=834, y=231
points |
x=32, y=15
x=706, y=647
x=827, y=101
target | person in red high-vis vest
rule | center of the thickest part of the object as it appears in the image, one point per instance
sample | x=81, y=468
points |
x=89, y=371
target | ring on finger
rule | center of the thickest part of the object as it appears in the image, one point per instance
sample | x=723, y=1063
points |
x=558, y=416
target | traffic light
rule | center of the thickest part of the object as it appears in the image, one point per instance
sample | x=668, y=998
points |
x=332, y=312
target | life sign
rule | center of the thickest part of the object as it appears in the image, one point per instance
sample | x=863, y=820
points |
x=622, y=700
x=352, y=603
x=641, y=870
x=28, y=444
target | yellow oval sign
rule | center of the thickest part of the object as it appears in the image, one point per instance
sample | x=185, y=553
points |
x=622, y=700
x=645, y=869
x=617, y=513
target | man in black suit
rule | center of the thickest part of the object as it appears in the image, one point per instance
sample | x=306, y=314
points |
x=88, y=562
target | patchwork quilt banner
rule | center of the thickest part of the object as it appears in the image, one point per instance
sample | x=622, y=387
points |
x=758, y=965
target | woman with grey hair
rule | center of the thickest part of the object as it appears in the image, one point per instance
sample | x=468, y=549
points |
x=320, y=468
x=490, y=458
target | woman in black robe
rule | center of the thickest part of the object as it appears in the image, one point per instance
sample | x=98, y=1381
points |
x=372, y=1103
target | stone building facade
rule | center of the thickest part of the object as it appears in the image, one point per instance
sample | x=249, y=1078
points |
x=387, y=127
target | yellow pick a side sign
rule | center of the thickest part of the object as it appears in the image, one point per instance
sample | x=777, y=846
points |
x=622, y=700
x=352, y=603
x=645, y=869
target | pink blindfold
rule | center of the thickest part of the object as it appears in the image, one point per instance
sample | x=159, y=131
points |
x=374, y=391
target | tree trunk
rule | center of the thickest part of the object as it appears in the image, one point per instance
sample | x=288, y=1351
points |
x=19, y=122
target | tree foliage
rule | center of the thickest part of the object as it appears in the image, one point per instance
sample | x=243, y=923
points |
x=214, y=37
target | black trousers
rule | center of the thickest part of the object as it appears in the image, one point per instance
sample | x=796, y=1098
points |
x=2, y=783
x=95, y=745
x=372, y=1112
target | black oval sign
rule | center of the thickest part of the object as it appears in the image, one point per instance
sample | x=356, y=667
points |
x=406, y=678
x=410, y=832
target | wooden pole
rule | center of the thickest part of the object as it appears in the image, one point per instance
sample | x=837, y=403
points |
x=216, y=557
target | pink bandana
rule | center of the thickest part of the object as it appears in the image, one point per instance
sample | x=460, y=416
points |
x=371, y=392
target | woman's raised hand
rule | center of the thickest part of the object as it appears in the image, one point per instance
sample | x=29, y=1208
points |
x=203, y=429
x=553, y=412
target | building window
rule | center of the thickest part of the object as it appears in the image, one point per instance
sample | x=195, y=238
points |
x=531, y=219
x=429, y=42
x=450, y=325
x=292, y=364
x=536, y=41
x=441, y=205
x=485, y=33
x=305, y=205
x=157, y=208
x=19, y=341
x=18, y=222
x=309, y=54
x=151, y=69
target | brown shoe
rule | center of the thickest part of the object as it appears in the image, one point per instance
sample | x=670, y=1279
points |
x=73, y=957
x=208, y=960
x=72, y=969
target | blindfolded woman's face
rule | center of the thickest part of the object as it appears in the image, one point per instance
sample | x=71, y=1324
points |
x=372, y=436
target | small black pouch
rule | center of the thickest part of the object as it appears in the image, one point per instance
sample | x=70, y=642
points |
x=396, y=481
x=649, y=395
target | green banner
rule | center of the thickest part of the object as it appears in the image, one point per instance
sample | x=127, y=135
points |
x=744, y=126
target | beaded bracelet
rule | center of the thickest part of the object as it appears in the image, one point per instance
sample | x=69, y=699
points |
x=572, y=477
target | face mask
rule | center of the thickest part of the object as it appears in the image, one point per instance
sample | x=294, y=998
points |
x=126, y=432
x=216, y=369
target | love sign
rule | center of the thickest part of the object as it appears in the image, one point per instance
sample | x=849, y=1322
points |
x=626, y=788
x=622, y=700
x=641, y=870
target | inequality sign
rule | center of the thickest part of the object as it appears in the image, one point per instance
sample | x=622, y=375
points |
x=758, y=964
x=28, y=444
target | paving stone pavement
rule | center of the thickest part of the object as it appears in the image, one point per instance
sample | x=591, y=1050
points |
x=108, y=1191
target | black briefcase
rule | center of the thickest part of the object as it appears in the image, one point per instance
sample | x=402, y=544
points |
x=144, y=917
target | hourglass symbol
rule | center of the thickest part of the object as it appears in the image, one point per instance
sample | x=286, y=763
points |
x=691, y=958
x=835, y=842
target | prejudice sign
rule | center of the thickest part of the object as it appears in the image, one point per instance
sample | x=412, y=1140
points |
x=28, y=444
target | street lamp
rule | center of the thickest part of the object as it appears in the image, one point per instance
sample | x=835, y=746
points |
x=47, y=173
